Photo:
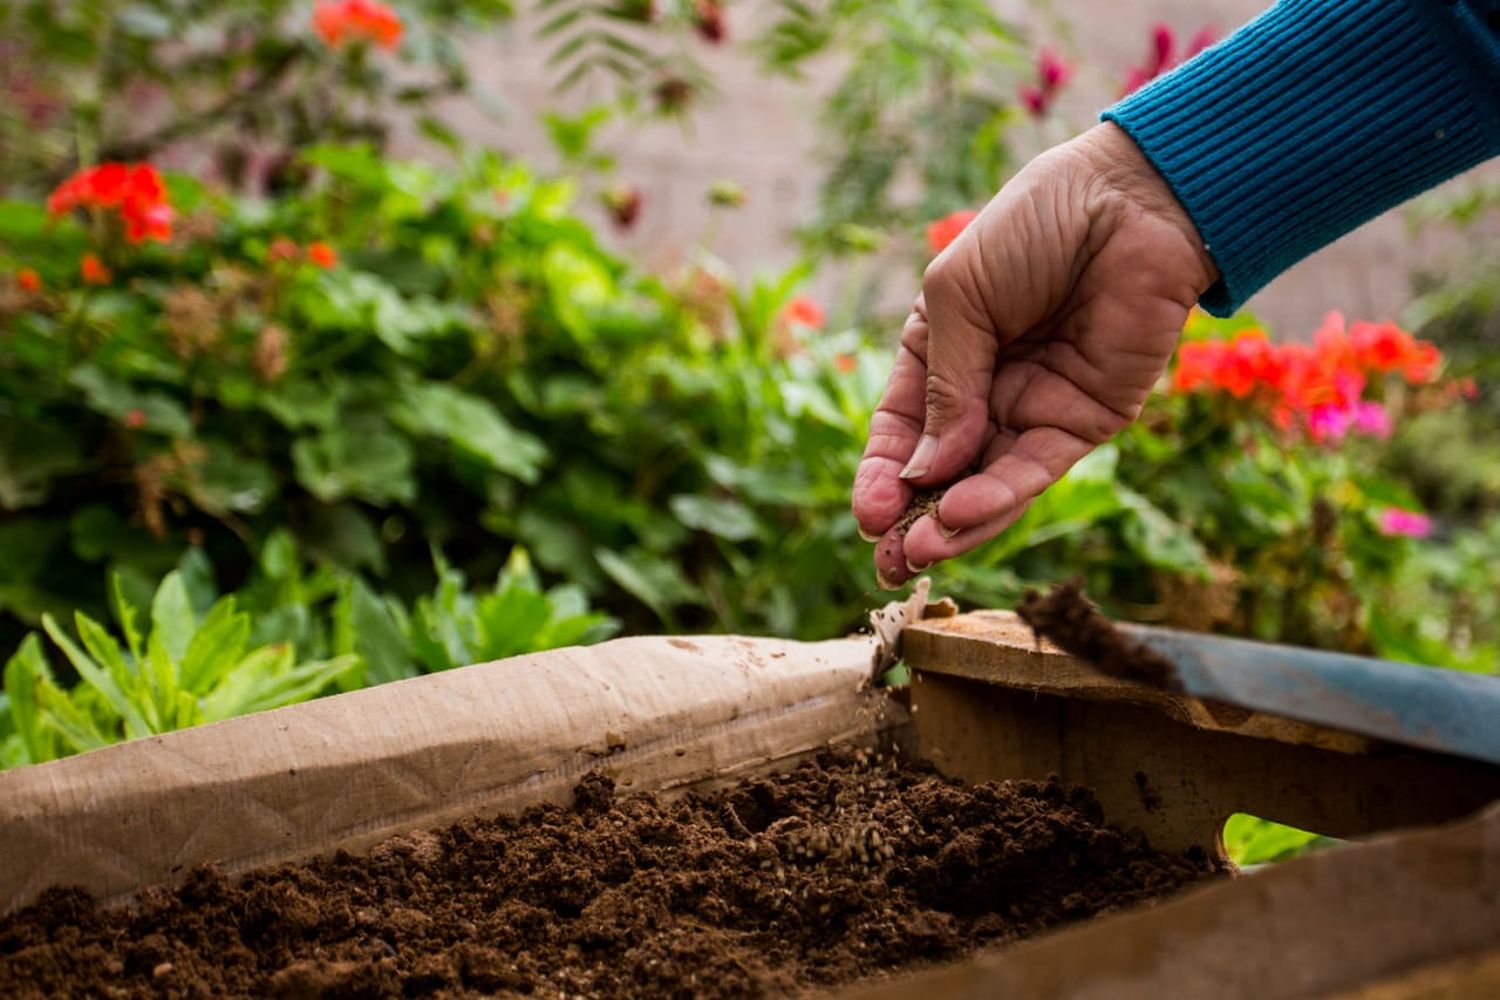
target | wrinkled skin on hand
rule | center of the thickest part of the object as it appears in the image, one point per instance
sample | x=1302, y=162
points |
x=1037, y=336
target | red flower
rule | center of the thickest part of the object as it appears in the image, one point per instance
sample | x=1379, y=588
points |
x=94, y=270
x=1321, y=384
x=343, y=21
x=28, y=280
x=803, y=311
x=945, y=230
x=1163, y=55
x=282, y=249
x=322, y=254
x=1163, y=41
x=135, y=419
x=845, y=363
x=1054, y=72
x=1051, y=73
x=1422, y=363
x=623, y=203
x=135, y=190
x=709, y=21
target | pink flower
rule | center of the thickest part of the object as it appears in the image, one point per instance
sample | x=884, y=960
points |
x=1397, y=523
x=1051, y=73
x=1163, y=55
x=1053, y=70
x=1372, y=420
x=1204, y=39
x=1328, y=423
x=1163, y=41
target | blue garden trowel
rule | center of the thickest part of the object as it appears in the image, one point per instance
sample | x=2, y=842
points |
x=1442, y=710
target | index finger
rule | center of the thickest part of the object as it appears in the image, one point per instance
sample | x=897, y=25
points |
x=881, y=496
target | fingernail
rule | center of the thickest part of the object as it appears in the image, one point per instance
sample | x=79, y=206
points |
x=946, y=531
x=884, y=583
x=868, y=537
x=921, y=459
x=914, y=568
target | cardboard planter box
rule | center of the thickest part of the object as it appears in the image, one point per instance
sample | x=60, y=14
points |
x=1400, y=915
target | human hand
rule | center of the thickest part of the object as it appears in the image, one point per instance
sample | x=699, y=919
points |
x=1038, y=335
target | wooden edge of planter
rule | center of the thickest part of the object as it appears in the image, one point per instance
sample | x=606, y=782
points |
x=351, y=770
x=1409, y=910
x=999, y=648
x=989, y=703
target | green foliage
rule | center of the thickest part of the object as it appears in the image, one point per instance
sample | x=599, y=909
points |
x=250, y=79
x=1251, y=841
x=203, y=658
x=924, y=94
x=454, y=628
x=1454, y=457
x=183, y=669
x=629, y=44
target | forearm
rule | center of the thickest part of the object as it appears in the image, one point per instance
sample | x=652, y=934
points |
x=1314, y=118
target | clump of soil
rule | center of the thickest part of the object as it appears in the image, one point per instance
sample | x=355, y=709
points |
x=1075, y=626
x=923, y=502
x=839, y=870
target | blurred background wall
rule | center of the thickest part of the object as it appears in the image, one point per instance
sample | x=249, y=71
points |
x=763, y=133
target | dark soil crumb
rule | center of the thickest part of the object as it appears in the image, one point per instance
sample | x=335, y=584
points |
x=839, y=870
x=1067, y=618
x=925, y=502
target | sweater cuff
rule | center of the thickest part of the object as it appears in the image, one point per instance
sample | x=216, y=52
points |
x=1314, y=118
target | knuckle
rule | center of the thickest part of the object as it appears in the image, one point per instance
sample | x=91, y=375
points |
x=939, y=281
x=945, y=400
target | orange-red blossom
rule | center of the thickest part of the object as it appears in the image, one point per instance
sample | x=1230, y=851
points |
x=340, y=22
x=1321, y=383
x=135, y=190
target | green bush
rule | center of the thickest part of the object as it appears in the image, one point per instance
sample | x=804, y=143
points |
x=474, y=371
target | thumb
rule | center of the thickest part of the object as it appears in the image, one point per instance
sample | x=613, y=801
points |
x=961, y=349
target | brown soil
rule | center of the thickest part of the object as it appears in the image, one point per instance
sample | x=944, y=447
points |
x=1074, y=625
x=840, y=870
x=924, y=502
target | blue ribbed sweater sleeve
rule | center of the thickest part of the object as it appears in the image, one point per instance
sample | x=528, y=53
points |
x=1314, y=118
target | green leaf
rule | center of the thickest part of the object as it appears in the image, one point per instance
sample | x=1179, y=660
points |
x=24, y=672
x=509, y=622
x=729, y=519
x=1158, y=540
x=97, y=677
x=579, y=284
x=472, y=425
x=172, y=619
x=125, y=615
x=372, y=465
x=158, y=412
x=363, y=624
x=102, y=647
x=31, y=456
x=238, y=688
x=216, y=646
x=654, y=581
x=77, y=728
x=22, y=222
x=1250, y=841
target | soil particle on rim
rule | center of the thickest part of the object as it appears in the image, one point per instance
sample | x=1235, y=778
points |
x=842, y=869
x=1071, y=622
